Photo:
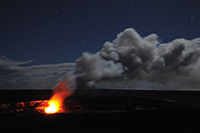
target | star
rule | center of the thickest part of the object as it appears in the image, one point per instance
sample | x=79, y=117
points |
x=191, y=17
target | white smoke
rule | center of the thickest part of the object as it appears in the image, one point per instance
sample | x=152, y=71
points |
x=133, y=57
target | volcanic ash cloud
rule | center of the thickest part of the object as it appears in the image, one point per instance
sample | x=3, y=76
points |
x=133, y=57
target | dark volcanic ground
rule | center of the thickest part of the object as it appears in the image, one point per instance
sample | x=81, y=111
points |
x=107, y=110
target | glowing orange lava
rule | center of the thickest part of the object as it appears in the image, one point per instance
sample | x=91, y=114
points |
x=52, y=108
x=61, y=91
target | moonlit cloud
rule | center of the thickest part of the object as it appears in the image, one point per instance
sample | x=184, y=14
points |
x=129, y=61
x=14, y=76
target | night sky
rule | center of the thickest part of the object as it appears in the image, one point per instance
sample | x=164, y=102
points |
x=50, y=32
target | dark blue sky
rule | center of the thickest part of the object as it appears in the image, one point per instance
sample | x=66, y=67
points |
x=57, y=31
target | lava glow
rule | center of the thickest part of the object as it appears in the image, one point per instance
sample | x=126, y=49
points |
x=53, y=107
x=61, y=91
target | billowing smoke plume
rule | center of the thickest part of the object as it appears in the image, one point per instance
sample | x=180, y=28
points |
x=131, y=56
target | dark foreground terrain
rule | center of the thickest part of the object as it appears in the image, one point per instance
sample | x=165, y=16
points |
x=107, y=110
